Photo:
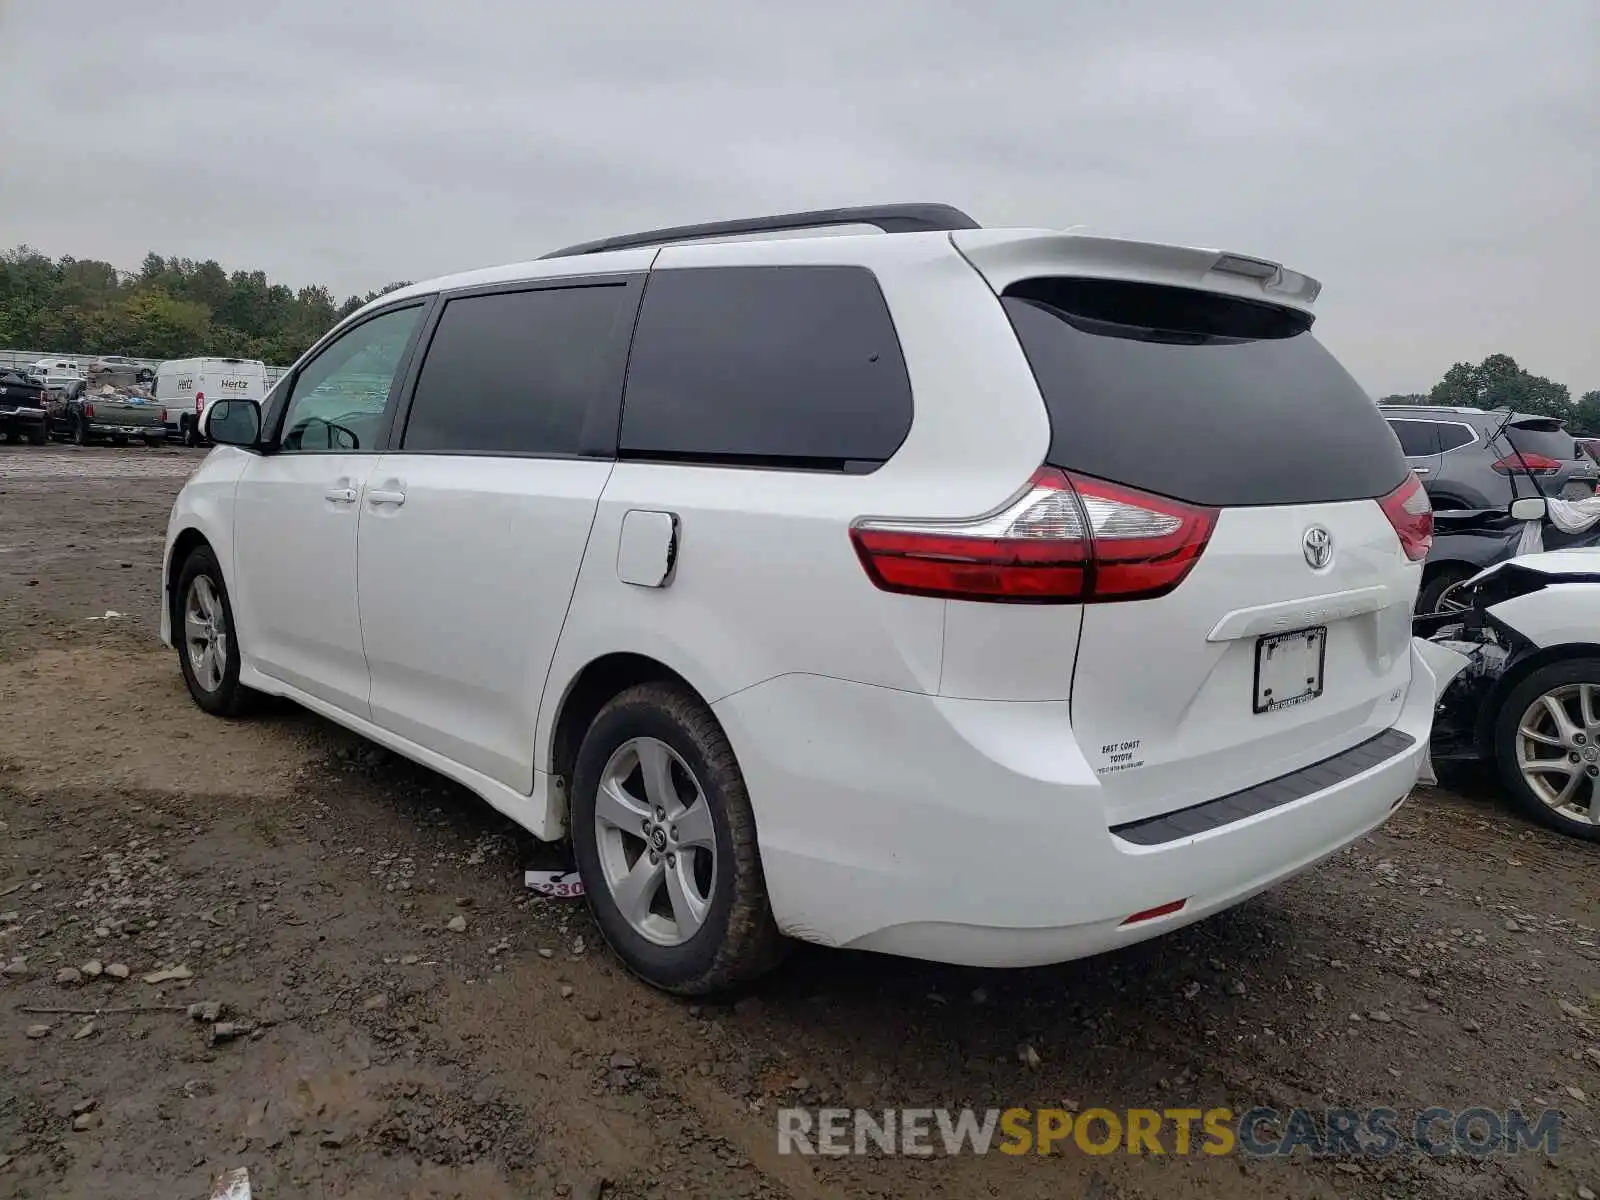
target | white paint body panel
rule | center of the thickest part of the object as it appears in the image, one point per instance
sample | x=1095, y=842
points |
x=294, y=585
x=926, y=774
x=463, y=590
x=1152, y=672
x=975, y=831
x=1560, y=615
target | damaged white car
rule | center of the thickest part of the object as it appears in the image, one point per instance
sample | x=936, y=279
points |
x=1527, y=695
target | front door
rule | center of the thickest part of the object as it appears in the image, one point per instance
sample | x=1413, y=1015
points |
x=296, y=511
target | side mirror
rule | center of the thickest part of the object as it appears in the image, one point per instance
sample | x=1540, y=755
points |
x=232, y=422
x=1529, y=508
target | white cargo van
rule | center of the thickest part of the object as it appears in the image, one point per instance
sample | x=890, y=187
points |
x=185, y=385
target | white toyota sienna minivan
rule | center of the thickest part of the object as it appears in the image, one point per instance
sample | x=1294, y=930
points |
x=992, y=596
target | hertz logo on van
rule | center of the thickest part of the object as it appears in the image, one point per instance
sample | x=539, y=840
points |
x=235, y=385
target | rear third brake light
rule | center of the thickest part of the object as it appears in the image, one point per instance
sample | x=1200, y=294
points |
x=1539, y=464
x=1411, y=513
x=1063, y=538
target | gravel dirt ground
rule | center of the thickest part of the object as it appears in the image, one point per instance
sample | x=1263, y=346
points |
x=407, y=1020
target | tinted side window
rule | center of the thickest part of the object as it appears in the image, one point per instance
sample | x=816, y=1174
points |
x=518, y=372
x=1417, y=438
x=766, y=365
x=1453, y=437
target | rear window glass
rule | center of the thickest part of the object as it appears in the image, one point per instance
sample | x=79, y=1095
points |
x=794, y=366
x=1548, y=439
x=1198, y=397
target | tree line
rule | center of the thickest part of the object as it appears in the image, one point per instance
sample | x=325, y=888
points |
x=1498, y=382
x=169, y=308
x=178, y=308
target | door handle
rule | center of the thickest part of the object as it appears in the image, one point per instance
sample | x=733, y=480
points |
x=1423, y=470
x=340, y=495
x=382, y=497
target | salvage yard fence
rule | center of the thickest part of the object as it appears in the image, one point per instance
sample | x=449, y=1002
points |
x=26, y=358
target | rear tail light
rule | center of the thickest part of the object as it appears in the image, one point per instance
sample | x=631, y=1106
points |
x=88, y=411
x=1539, y=464
x=1411, y=513
x=199, y=402
x=1063, y=538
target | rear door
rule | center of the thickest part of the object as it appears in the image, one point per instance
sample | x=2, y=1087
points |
x=1419, y=442
x=473, y=529
x=1289, y=640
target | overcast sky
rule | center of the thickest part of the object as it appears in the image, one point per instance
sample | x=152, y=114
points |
x=1434, y=163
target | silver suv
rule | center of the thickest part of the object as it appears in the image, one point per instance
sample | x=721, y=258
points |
x=1463, y=464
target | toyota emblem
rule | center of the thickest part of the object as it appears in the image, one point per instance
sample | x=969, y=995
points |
x=1318, y=546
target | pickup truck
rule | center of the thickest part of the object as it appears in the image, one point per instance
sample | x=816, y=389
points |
x=21, y=406
x=86, y=414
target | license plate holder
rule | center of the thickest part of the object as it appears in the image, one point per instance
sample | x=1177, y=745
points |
x=1289, y=668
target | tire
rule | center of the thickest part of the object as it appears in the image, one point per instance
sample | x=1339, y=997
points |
x=154, y=443
x=735, y=939
x=38, y=437
x=217, y=691
x=6, y=436
x=1437, y=584
x=1561, y=679
x=191, y=436
x=80, y=432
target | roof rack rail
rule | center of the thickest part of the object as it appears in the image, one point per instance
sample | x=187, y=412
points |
x=891, y=218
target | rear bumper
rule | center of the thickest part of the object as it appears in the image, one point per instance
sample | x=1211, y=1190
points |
x=19, y=418
x=973, y=831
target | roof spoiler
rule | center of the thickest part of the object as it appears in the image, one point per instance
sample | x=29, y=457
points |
x=1004, y=257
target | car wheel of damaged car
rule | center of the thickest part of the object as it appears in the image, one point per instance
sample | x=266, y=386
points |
x=1547, y=744
x=1432, y=598
x=202, y=629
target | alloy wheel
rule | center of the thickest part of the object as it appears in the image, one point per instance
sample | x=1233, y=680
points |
x=205, y=633
x=1558, y=751
x=657, y=844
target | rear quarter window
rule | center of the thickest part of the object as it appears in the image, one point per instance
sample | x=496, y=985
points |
x=1417, y=438
x=1200, y=397
x=792, y=366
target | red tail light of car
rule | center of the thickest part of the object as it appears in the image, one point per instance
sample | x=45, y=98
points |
x=1539, y=464
x=1411, y=513
x=1064, y=538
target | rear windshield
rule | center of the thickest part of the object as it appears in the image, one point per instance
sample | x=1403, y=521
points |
x=1543, y=437
x=1199, y=397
